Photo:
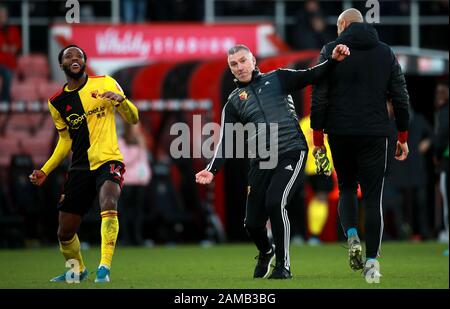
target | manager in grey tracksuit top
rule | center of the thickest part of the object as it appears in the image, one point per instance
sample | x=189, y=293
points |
x=264, y=99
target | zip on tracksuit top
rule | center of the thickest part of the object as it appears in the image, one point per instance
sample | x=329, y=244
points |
x=267, y=99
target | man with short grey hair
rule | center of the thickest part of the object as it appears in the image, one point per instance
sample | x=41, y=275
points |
x=264, y=99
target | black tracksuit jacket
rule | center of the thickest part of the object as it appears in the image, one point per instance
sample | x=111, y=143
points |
x=266, y=99
x=351, y=100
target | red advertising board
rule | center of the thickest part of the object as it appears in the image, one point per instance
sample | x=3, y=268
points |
x=162, y=41
x=112, y=46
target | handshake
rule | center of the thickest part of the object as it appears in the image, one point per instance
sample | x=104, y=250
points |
x=323, y=166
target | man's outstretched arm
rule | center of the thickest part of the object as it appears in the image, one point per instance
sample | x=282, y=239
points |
x=319, y=103
x=293, y=80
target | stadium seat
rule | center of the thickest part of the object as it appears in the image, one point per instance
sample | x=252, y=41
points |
x=23, y=62
x=47, y=89
x=23, y=121
x=34, y=65
x=47, y=123
x=36, y=146
x=16, y=134
x=39, y=62
x=24, y=91
x=45, y=134
x=37, y=80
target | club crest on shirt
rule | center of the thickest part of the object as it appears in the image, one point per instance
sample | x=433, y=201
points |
x=243, y=95
x=94, y=94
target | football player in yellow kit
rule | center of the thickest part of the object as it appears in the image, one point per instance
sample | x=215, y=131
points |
x=84, y=115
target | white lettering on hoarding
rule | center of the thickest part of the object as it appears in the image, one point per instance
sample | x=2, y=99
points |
x=130, y=43
x=110, y=42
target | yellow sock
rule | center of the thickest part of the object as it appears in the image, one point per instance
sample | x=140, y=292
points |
x=109, y=231
x=71, y=250
x=317, y=216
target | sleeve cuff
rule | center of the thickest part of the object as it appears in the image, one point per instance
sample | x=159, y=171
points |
x=402, y=137
x=45, y=171
x=318, y=138
x=332, y=61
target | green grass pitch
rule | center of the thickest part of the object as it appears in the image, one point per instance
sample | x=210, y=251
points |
x=403, y=265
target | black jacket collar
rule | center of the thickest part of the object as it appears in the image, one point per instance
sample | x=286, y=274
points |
x=256, y=74
x=359, y=36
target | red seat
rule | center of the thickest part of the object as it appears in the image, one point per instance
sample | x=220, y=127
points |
x=45, y=134
x=36, y=146
x=24, y=91
x=33, y=65
x=47, y=89
x=23, y=62
x=37, y=80
x=48, y=123
x=17, y=134
x=39, y=61
x=23, y=121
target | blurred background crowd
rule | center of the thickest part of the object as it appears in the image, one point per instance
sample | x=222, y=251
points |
x=160, y=202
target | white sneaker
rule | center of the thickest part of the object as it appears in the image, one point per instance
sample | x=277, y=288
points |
x=443, y=237
x=371, y=271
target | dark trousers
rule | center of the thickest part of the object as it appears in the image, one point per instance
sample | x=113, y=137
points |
x=269, y=194
x=361, y=159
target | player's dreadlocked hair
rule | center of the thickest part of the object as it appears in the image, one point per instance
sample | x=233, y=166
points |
x=60, y=55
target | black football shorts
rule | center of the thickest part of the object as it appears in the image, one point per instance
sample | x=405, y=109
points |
x=82, y=186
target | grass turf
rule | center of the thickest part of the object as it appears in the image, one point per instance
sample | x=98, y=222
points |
x=403, y=265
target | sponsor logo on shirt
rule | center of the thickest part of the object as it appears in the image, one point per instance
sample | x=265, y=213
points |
x=76, y=120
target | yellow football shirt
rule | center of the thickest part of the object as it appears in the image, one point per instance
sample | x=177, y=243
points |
x=90, y=120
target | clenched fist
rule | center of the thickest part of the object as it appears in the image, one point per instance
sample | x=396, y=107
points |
x=37, y=178
x=340, y=52
x=204, y=177
x=112, y=96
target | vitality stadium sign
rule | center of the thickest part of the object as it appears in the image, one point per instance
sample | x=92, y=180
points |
x=113, y=46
